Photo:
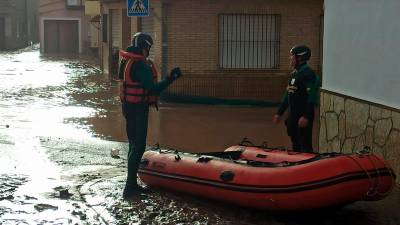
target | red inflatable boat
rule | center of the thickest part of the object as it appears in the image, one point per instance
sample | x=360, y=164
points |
x=272, y=179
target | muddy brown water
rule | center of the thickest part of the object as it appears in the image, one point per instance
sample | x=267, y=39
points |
x=59, y=119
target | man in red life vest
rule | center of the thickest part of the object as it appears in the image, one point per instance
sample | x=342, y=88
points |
x=139, y=90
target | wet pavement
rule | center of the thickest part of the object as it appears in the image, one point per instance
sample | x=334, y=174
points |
x=59, y=120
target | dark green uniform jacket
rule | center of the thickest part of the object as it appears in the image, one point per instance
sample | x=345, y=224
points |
x=301, y=95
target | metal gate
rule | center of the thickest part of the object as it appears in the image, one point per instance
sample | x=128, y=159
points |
x=61, y=36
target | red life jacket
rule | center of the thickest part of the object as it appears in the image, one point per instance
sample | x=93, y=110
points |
x=132, y=91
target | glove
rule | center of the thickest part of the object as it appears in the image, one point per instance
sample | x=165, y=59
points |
x=175, y=73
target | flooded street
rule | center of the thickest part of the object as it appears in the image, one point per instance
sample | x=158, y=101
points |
x=59, y=120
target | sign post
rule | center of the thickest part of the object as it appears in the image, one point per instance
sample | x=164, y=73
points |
x=138, y=7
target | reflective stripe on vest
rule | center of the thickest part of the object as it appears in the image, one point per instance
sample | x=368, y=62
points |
x=132, y=91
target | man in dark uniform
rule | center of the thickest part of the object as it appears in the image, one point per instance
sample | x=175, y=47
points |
x=300, y=98
x=139, y=90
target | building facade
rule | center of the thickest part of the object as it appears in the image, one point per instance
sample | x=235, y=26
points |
x=92, y=10
x=360, y=104
x=227, y=49
x=18, y=24
x=115, y=33
x=63, y=26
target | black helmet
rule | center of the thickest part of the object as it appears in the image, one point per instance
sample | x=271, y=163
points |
x=301, y=51
x=142, y=41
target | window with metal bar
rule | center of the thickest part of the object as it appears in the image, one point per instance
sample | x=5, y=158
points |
x=249, y=41
x=75, y=4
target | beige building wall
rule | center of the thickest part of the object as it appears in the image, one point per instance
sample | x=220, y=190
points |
x=92, y=9
x=106, y=46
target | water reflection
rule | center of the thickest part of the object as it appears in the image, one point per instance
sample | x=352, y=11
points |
x=35, y=101
x=197, y=128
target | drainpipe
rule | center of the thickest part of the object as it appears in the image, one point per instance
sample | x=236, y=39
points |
x=164, y=42
x=26, y=21
x=100, y=39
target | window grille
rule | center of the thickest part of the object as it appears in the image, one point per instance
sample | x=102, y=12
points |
x=75, y=3
x=249, y=41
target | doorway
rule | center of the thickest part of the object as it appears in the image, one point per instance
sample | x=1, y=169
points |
x=61, y=36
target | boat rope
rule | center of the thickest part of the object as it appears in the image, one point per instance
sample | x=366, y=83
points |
x=374, y=183
x=377, y=181
x=247, y=143
x=392, y=175
x=370, y=188
x=367, y=152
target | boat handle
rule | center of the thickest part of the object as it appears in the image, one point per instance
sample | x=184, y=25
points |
x=177, y=156
x=157, y=148
x=204, y=159
x=227, y=176
x=264, y=144
x=246, y=142
x=143, y=163
x=261, y=156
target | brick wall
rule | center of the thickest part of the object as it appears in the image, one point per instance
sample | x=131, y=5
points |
x=193, y=45
x=156, y=13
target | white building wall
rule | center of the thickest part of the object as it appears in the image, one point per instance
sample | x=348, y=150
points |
x=362, y=49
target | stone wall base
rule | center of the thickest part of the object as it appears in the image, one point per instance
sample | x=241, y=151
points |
x=348, y=125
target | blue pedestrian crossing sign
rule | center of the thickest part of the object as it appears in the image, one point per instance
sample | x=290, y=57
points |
x=138, y=7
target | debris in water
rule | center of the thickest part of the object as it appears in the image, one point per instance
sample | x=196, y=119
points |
x=115, y=153
x=42, y=207
x=64, y=194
